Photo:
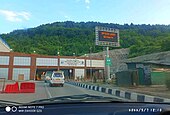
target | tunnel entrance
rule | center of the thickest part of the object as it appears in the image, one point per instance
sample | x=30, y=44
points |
x=68, y=73
x=40, y=73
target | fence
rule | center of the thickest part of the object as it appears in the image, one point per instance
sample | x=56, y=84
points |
x=159, y=78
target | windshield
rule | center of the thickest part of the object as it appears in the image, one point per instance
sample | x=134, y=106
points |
x=57, y=75
x=109, y=48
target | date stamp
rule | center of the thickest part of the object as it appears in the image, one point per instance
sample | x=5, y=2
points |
x=152, y=110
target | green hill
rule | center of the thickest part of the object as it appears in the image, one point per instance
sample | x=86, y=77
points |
x=77, y=37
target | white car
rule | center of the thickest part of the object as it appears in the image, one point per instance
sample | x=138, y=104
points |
x=57, y=79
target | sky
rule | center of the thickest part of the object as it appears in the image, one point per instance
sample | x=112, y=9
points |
x=22, y=14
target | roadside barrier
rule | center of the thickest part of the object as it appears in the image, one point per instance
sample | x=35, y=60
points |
x=25, y=87
x=12, y=88
x=130, y=95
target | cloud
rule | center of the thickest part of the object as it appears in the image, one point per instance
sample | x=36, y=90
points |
x=15, y=16
x=77, y=0
x=87, y=2
x=67, y=17
x=87, y=7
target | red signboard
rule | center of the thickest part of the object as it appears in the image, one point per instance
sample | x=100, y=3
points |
x=108, y=36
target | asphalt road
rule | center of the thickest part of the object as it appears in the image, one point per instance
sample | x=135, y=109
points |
x=43, y=91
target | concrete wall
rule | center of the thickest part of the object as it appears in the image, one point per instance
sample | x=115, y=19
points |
x=24, y=71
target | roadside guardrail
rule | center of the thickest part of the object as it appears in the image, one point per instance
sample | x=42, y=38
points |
x=138, y=97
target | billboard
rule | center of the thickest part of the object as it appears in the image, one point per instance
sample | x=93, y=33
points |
x=107, y=36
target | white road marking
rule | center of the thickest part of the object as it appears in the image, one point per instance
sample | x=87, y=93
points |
x=48, y=92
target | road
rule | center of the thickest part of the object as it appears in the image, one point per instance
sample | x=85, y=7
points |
x=44, y=91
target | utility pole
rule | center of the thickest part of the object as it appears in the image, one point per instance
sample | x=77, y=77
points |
x=102, y=35
x=107, y=66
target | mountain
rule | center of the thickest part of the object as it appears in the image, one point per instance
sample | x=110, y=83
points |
x=77, y=37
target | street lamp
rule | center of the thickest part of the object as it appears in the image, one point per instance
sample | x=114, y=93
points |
x=34, y=51
x=74, y=59
x=105, y=68
x=73, y=54
x=90, y=64
x=58, y=54
x=74, y=63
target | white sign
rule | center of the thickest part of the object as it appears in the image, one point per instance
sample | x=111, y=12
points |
x=72, y=62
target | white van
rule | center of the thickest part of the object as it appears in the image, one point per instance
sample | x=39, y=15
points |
x=57, y=79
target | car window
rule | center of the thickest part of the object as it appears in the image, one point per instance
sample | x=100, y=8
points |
x=57, y=75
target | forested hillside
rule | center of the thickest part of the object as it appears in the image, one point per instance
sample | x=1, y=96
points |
x=77, y=37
